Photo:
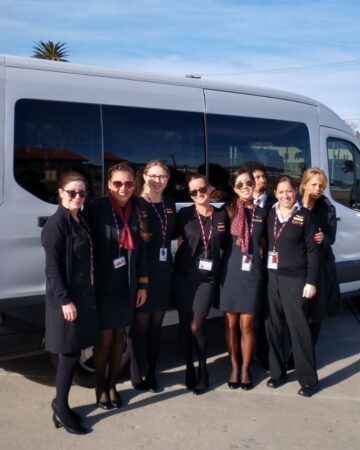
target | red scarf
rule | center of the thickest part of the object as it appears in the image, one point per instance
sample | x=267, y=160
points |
x=240, y=226
x=126, y=238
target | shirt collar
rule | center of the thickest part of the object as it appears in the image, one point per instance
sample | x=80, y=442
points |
x=282, y=219
x=260, y=201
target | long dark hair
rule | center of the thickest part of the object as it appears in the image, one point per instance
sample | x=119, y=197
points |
x=231, y=207
x=143, y=223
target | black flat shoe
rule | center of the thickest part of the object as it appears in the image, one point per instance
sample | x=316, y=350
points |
x=73, y=414
x=274, y=383
x=116, y=402
x=142, y=386
x=234, y=384
x=190, y=378
x=308, y=391
x=152, y=383
x=71, y=426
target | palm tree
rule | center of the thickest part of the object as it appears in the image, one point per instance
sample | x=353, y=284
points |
x=49, y=50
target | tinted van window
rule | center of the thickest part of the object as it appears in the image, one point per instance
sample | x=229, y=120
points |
x=52, y=138
x=281, y=146
x=344, y=172
x=139, y=134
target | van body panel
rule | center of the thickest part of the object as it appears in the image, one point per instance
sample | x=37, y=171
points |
x=2, y=127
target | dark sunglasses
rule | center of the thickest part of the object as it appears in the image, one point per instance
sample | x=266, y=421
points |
x=195, y=192
x=120, y=184
x=248, y=183
x=72, y=193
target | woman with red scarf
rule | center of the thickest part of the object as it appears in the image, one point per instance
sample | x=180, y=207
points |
x=242, y=276
x=119, y=232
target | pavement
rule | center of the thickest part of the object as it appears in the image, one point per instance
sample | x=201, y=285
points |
x=176, y=419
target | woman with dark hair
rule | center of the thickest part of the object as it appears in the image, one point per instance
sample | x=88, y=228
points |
x=119, y=230
x=71, y=319
x=201, y=230
x=146, y=328
x=293, y=262
x=327, y=300
x=241, y=284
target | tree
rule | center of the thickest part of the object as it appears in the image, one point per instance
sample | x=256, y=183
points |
x=50, y=50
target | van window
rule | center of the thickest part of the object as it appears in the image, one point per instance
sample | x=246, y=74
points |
x=139, y=134
x=344, y=172
x=52, y=138
x=281, y=146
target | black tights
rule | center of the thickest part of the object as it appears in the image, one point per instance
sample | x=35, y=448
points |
x=145, y=331
x=192, y=331
x=107, y=355
x=64, y=377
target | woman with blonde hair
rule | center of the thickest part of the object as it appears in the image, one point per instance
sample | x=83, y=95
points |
x=146, y=328
x=327, y=300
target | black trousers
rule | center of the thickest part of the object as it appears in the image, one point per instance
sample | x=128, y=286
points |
x=286, y=304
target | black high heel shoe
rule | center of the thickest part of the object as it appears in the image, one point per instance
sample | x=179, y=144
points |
x=73, y=414
x=202, y=384
x=102, y=404
x=116, y=402
x=190, y=378
x=247, y=386
x=234, y=384
x=151, y=383
x=68, y=423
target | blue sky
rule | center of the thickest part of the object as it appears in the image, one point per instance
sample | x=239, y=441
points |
x=236, y=41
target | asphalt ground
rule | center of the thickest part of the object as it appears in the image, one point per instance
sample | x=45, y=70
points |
x=176, y=419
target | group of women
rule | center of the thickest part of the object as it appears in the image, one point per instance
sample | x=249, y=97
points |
x=109, y=267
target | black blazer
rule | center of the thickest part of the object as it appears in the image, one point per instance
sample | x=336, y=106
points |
x=101, y=221
x=188, y=228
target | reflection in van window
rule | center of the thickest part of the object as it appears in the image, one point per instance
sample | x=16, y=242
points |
x=281, y=146
x=139, y=134
x=52, y=138
x=344, y=172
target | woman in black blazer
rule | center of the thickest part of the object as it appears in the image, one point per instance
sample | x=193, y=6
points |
x=293, y=262
x=119, y=231
x=146, y=329
x=201, y=230
x=71, y=319
x=327, y=300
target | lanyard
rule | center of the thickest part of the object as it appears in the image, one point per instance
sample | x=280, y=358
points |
x=164, y=223
x=277, y=235
x=117, y=230
x=252, y=223
x=206, y=241
x=87, y=231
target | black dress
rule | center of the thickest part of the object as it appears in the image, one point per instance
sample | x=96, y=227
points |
x=68, y=279
x=195, y=289
x=241, y=291
x=116, y=288
x=160, y=272
x=327, y=300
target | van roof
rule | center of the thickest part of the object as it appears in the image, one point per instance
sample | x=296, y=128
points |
x=56, y=66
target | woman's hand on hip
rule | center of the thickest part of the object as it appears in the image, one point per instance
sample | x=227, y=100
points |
x=309, y=291
x=69, y=312
x=141, y=295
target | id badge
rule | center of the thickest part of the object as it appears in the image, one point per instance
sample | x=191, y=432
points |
x=163, y=254
x=205, y=264
x=246, y=263
x=273, y=259
x=119, y=262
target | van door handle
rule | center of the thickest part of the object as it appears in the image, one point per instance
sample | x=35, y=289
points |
x=42, y=221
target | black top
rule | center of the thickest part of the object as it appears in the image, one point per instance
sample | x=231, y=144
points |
x=68, y=279
x=325, y=214
x=297, y=251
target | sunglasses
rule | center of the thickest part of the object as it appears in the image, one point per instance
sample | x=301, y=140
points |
x=120, y=184
x=72, y=193
x=248, y=183
x=195, y=192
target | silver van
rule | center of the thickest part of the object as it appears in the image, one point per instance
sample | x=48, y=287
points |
x=58, y=116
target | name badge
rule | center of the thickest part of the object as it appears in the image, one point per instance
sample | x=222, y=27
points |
x=272, y=262
x=163, y=254
x=205, y=264
x=246, y=263
x=119, y=262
